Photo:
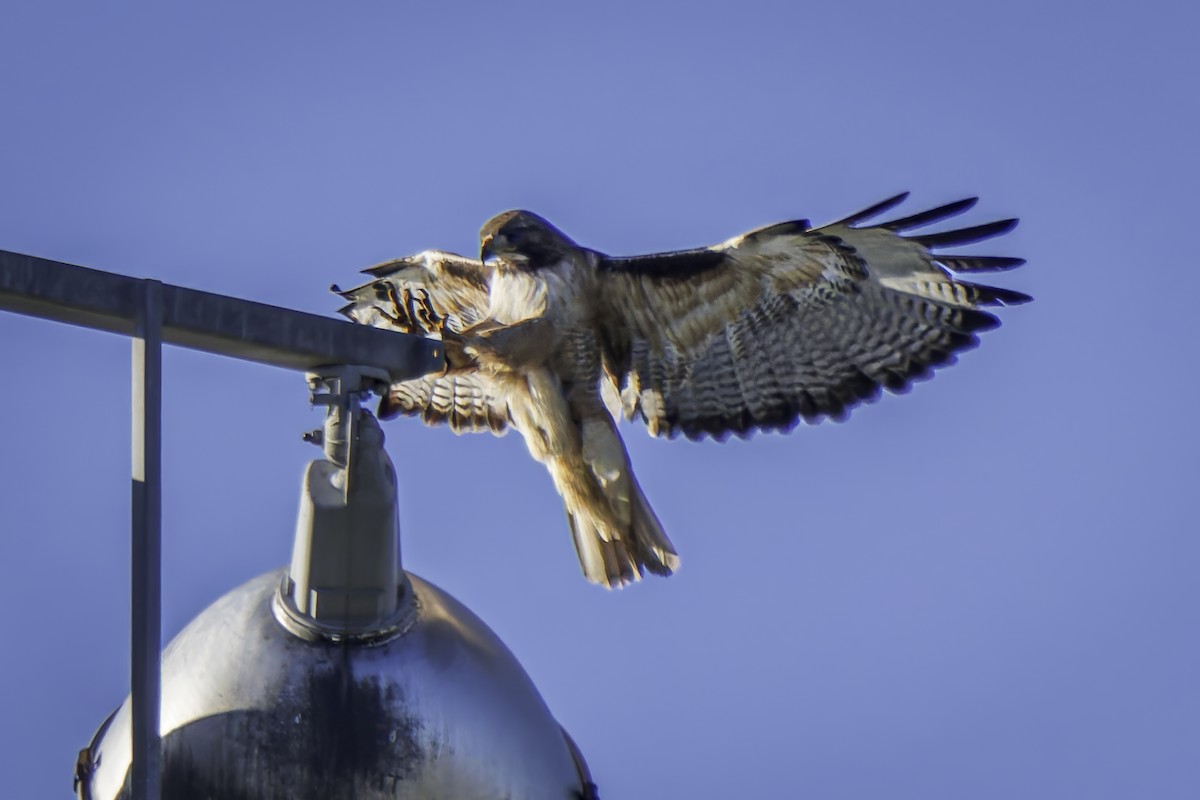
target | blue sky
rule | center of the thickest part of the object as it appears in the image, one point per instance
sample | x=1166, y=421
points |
x=983, y=589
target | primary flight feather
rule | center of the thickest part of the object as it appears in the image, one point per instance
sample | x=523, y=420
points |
x=783, y=323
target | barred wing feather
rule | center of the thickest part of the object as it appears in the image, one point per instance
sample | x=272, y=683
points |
x=790, y=322
x=426, y=294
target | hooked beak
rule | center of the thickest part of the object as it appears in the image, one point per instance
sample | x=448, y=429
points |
x=485, y=249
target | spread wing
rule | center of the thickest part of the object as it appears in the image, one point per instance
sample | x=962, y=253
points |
x=791, y=322
x=431, y=294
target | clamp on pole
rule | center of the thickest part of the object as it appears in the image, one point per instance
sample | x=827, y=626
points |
x=341, y=390
x=345, y=578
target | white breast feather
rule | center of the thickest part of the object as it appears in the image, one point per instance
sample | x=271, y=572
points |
x=516, y=297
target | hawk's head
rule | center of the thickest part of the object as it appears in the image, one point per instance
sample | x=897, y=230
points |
x=524, y=240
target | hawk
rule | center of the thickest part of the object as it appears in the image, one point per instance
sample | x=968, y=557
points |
x=783, y=323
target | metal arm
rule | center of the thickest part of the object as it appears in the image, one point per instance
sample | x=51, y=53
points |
x=214, y=323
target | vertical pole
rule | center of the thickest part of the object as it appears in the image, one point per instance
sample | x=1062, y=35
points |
x=146, y=590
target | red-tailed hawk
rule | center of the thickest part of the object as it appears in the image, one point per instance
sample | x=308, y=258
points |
x=784, y=323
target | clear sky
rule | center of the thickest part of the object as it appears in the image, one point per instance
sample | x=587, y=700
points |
x=984, y=589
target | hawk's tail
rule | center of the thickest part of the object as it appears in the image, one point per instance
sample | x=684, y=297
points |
x=652, y=548
x=616, y=534
x=614, y=558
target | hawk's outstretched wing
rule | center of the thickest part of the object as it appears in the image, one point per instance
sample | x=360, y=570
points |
x=790, y=321
x=431, y=293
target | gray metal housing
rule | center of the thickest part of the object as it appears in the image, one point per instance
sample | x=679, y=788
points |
x=440, y=710
x=343, y=676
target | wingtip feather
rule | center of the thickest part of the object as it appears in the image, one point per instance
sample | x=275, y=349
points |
x=1006, y=297
x=960, y=236
x=875, y=210
x=931, y=216
x=967, y=263
x=380, y=270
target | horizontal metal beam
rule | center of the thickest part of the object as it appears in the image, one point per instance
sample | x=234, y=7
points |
x=214, y=323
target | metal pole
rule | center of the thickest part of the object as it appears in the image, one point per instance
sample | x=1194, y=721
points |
x=146, y=589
